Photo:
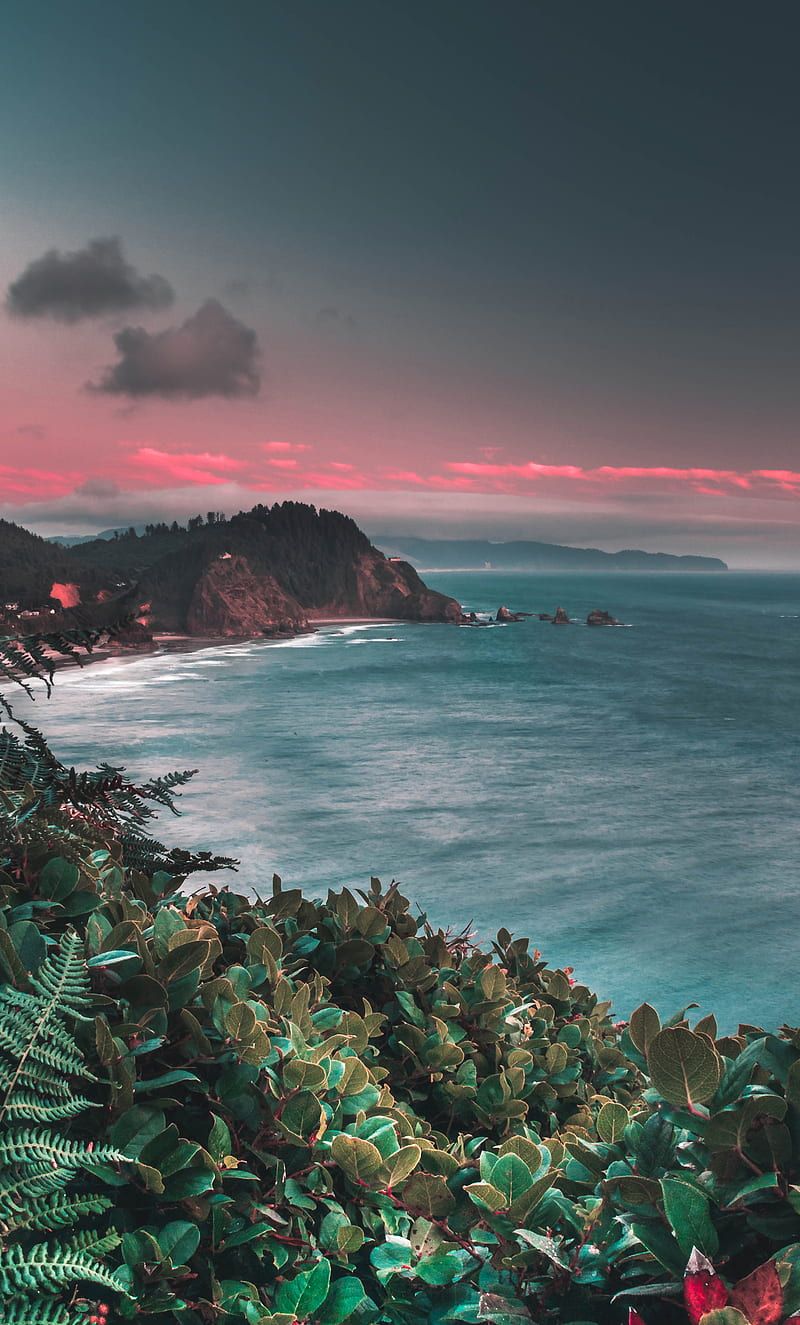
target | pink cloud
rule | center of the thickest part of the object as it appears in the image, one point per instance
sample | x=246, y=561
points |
x=283, y=464
x=35, y=483
x=284, y=446
x=203, y=467
x=709, y=482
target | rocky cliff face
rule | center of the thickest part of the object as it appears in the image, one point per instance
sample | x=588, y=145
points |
x=379, y=587
x=229, y=599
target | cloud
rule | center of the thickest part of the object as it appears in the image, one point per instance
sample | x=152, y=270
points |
x=33, y=430
x=284, y=446
x=708, y=482
x=212, y=353
x=92, y=282
x=185, y=466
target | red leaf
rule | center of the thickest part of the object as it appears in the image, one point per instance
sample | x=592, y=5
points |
x=634, y=1318
x=703, y=1289
x=760, y=1296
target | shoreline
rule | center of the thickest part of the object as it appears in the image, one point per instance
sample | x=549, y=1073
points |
x=167, y=643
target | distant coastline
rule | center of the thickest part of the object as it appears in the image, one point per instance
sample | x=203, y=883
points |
x=466, y=554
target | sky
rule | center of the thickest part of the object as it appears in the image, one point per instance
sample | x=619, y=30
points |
x=457, y=267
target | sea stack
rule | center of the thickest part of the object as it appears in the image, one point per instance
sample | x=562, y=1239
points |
x=560, y=618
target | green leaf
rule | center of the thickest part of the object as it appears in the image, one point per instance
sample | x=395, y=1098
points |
x=392, y=1256
x=357, y=1159
x=644, y=1025
x=344, y=1297
x=179, y=1240
x=512, y=1177
x=302, y=1116
x=687, y=1211
x=684, y=1067
x=611, y=1122
x=305, y=1293
x=485, y=1196
x=30, y=945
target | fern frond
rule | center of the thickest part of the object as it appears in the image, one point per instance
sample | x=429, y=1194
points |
x=55, y=1211
x=20, y=1190
x=63, y=978
x=92, y=1242
x=34, y=1033
x=25, y=1106
x=49, y=1267
x=30, y=1145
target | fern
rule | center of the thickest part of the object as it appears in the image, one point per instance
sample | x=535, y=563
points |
x=30, y=1145
x=49, y=1267
x=55, y=1211
x=37, y=1051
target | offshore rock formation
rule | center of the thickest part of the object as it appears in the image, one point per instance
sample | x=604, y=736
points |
x=505, y=614
x=598, y=617
x=560, y=618
x=229, y=600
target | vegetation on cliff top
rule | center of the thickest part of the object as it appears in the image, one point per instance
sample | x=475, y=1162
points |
x=266, y=1110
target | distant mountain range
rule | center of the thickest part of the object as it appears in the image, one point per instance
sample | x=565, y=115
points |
x=476, y=554
x=262, y=572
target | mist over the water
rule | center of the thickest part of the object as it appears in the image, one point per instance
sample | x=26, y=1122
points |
x=625, y=797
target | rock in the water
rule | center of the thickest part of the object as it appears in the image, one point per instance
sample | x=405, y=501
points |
x=560, y=618
x=545, y=616
x=505, y=614
x=598, y=617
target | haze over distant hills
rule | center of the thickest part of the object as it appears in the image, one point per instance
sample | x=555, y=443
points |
x=524, y=554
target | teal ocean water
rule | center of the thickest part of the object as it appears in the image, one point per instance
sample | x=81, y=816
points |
x=626, y=797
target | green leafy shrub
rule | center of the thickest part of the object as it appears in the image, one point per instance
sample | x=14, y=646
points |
x=260, y=1111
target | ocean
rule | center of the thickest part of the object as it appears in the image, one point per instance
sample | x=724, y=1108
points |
x=627, y=798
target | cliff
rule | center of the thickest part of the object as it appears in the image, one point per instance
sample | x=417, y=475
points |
x=229, y=599
x=265, y=571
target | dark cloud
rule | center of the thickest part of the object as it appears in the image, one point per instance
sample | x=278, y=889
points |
x=98, y=487
x=211, y=354
x=91, y=282
x=34, y=430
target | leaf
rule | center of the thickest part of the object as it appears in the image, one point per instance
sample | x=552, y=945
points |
x=687, y=1211
x=704, y=1290
x=402, y=1163
x=644, y=1024
x=29, y=944
x=684, y=1067
x=611, y=1122
x=344, y=1297
x=760, y=1296
x=429, y=1194
x=179, y=1240
x=305, y=1293
x=512, y=1177
x=183, y=960
x=485, y=1196
x=302, y=1116
x=357, y=1159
